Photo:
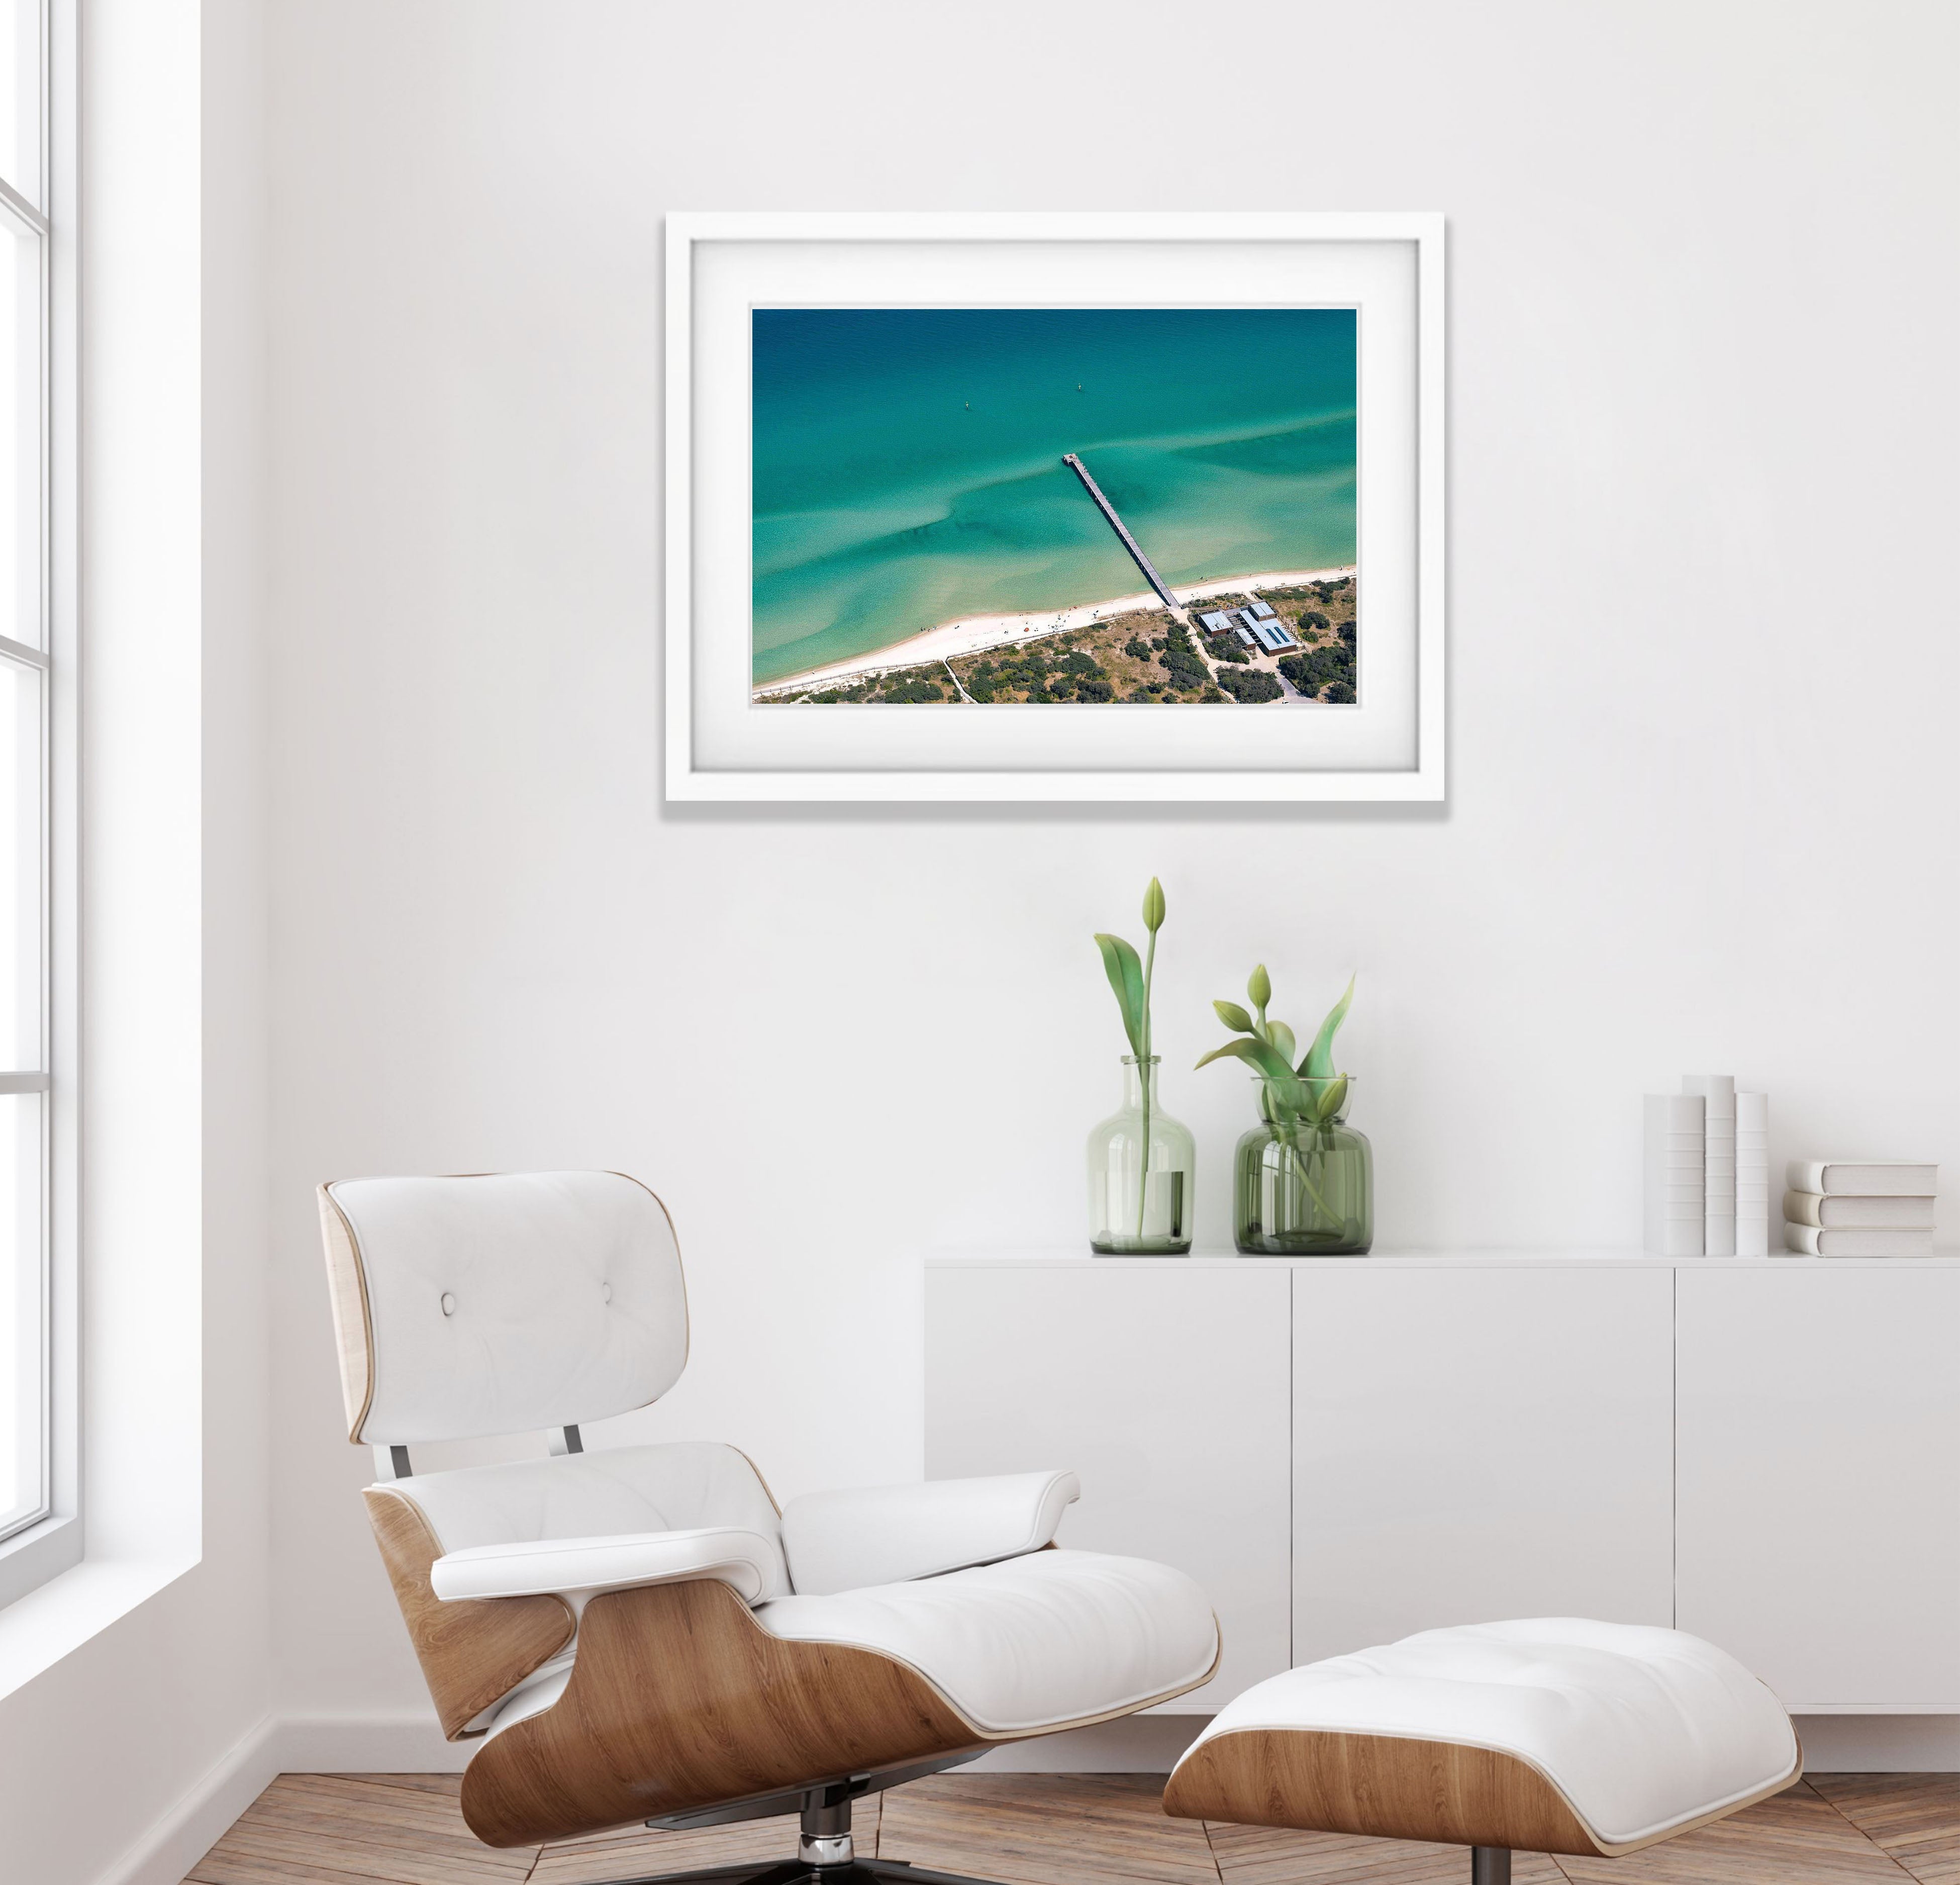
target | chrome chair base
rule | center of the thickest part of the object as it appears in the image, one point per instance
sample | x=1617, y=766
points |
x=825, y=1853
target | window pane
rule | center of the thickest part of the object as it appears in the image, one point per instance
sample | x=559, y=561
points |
x=23, y=1343
x=21, y=97
x=20, y=872
x=21, y=533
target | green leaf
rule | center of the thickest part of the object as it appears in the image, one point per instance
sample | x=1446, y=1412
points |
x=1255, y=1054
x=1246, y=1051
x=1319, y=1064
x=1125, y=968
x=1233, y=1016
x=1154, y=907
x=1281, y=1037
x=1260, y=987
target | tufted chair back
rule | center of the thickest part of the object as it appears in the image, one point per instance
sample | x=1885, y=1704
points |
x=504, y=1304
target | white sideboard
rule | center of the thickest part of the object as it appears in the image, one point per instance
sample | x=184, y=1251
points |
x=1818, y=1526
x=1341, y=1451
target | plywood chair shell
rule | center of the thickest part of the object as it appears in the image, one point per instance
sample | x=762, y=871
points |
x=473, y=1652
x=1392, y=1787
x=680, y=1700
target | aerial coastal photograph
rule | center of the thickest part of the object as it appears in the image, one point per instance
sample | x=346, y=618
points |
x=1054, y=506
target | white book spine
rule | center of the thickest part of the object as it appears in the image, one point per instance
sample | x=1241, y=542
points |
x=1840, y=1210
x=1717, y=1092
x=1752, y=1174
x=1808, y=1239
x=1863, y=1177
x=1674, y=1180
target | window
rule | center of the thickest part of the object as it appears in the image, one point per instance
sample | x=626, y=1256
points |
x=28, y=1476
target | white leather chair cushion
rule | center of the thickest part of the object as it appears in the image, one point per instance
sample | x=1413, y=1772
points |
x=545, y=1567
x=1642, y=1730
x=512, y=1302
x=624, y=1492
x=885, y=1534
x=1038, y=1642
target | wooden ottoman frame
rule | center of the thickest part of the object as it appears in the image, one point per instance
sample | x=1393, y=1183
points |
x=1385, y=1787
x=1544, y=1734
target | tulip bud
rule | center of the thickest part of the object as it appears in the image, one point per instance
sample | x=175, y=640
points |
x=1233, y=1016
x=1154, y=907
x=1260, y=988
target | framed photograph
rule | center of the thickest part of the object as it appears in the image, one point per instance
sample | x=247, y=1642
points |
x=957, y=505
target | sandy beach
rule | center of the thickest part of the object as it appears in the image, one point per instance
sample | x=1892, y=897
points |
x=972, y=634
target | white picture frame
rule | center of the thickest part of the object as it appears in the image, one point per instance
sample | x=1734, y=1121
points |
x=721, y=746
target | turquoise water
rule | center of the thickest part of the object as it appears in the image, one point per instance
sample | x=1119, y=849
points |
x=908, y=461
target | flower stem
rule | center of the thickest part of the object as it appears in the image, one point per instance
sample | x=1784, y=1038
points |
x=1291, y=1141
x=1144, y=1073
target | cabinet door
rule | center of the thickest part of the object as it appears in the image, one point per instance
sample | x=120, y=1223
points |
x=1820, y=1479
x=1164, y=1384
x=1474, y=1443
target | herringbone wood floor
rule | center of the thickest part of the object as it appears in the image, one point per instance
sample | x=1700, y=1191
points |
x=1075, y=1830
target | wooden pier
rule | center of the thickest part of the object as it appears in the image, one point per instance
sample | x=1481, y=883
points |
x=1116, y=524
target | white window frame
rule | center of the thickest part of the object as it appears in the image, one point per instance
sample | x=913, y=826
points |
x=41, y=1548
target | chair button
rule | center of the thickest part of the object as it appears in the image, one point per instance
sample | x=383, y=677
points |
x=606, y=1292
x=448, y=1304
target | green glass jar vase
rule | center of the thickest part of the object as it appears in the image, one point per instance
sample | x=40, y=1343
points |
x=1300, y=1189
x=1141, y=1164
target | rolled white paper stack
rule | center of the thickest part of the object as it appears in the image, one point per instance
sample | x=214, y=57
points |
x=1718, y=1237
x=1675, y=1184
x=1752, y=1174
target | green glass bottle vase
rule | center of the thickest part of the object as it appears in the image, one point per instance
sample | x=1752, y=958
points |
x=1300, y=1190
x=1140, y=1206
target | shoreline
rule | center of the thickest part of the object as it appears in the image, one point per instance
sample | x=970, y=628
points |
x=974, y=634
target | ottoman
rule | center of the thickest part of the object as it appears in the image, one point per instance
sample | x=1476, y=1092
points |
x=1549, y=1735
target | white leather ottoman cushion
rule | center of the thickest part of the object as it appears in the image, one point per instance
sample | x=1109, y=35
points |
x=1036, y=1642
x=1643, y=1730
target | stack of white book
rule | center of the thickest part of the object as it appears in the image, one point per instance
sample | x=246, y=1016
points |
x=1707, y=1171
x=1676, y=1187
x=1873, y=1207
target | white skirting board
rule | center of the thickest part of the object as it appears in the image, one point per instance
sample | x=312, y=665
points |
x=1880, y=1744
x=1143, y=1744
x=199, y=1820
x=1138, y=1744
x=408, y=1742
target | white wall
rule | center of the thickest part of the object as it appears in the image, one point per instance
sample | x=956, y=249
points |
x=1702, y=669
